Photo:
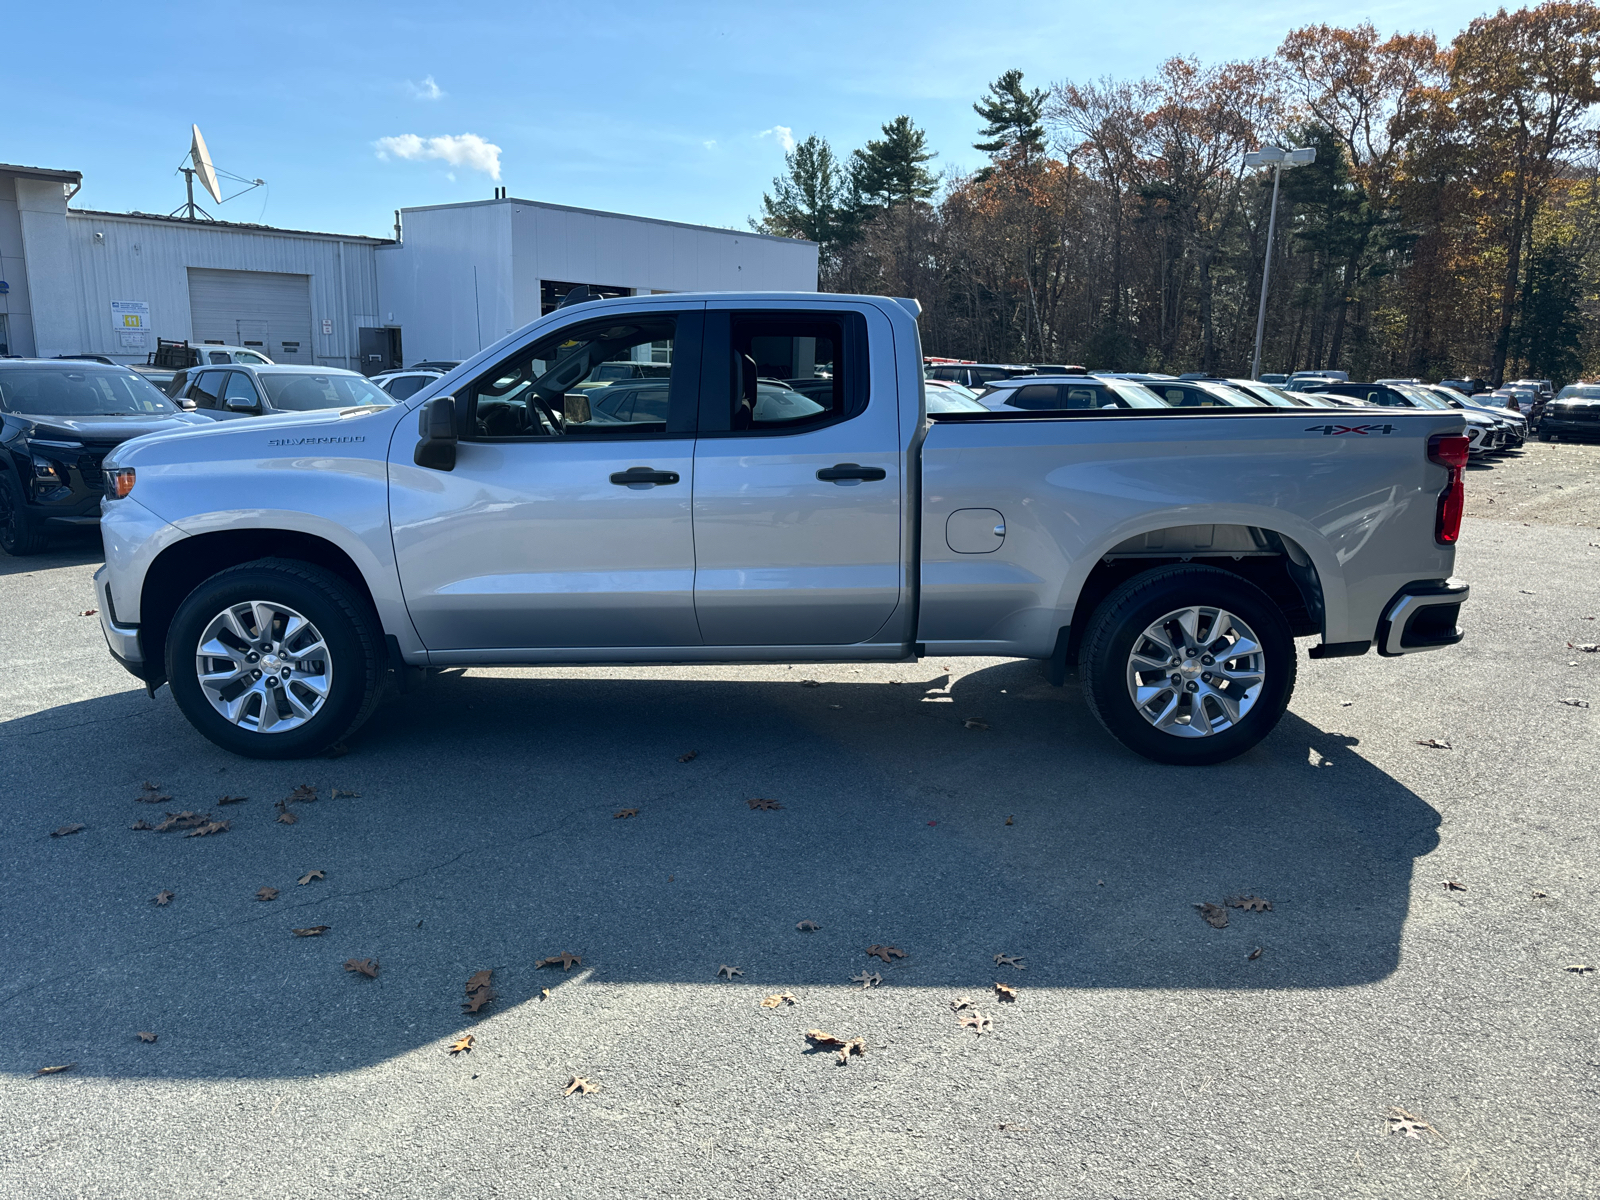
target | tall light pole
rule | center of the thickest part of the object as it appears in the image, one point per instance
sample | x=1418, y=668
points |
x=1277, y=158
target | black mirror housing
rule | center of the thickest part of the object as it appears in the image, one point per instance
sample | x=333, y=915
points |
x=436, y=423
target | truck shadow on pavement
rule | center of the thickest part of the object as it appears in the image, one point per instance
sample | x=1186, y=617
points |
x=484, y=835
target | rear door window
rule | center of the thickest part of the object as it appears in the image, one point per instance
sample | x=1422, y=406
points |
x=785, y=372
x=204, y=388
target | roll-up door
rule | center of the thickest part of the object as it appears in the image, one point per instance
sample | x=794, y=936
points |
x=244, y=308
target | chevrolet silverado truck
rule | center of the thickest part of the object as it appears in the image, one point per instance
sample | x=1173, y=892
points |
x=779, y=492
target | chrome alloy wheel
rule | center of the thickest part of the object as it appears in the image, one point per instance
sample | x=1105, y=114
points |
x=1196, y=672
x=263, y=666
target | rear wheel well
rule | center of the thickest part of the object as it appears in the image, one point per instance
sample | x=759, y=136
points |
x=183, y=566
x=1280, y=568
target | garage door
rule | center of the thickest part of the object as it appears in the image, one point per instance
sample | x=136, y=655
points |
x=253, y=308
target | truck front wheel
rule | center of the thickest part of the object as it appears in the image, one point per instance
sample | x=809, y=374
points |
x=274, y=659
x=1188, y=665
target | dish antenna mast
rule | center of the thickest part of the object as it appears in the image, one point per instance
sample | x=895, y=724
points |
x=200, y=164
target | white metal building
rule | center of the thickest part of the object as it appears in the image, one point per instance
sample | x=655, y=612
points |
x=465, y=275
x=78, y=281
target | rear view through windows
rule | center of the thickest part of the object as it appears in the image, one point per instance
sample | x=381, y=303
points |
x=294, y=392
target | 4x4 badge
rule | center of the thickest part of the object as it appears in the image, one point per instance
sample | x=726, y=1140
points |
x=1335, y=430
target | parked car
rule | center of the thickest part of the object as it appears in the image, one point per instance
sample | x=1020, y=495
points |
x=178, y=356
x=1483, y=431
x=1574, y=413
x=1539, y=387
x=1203, y=393
x=1299, y=379
x=1175, y=556
x=1276, y=380
x=1467, y=387
x=402, y=385
x=434, y=364
x=158, y=377
x=1064, y=393
x=227, y=393
x=976, y=376
x=58, y=419
x=1524, y=400
x=1514, y=425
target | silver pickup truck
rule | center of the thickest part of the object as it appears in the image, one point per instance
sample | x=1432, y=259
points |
x=771, y=489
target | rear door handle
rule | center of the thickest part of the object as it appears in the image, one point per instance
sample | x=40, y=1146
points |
x=850, y=471
x=638, y=475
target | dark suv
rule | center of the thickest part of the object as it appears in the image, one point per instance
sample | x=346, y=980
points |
x=57, y=421
x=1574, y=413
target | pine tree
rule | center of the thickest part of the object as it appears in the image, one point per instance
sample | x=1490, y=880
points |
x=1013, y=115
x=890, y=171
x=810, y=199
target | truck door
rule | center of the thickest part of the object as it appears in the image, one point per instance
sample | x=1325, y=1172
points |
x=561, y=525
x=797, y=519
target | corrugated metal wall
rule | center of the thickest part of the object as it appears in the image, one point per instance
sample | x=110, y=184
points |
x=148, y=260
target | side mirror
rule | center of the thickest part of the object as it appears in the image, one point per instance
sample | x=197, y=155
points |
x=436, y=422
x=238, y=405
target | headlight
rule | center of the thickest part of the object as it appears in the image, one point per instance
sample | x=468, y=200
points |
x=119, y=482
x=48, y=474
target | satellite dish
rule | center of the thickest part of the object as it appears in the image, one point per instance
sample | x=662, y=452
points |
x=203, y=167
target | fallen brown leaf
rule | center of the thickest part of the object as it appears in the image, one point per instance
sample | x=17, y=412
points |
x=689, y=756
x=55, y=1070
x=183, y=820
x=976, y=1022
x=1010, y=821
x=141, y=823
x=337, y=750
x=1010, y=960
x=808, y=927
x=146, y=1037
x=767, y=805
x=1574, y=702
x=341, y=794
x=581, y=1085
x=1253, y=955
x=479, y=979
x=821, y=1039
x=960, y=1002
x=362, y=966
x=887, y=953
x=725, y=971
x=232, y=799
x=266, y=893
x=310, y=875
x=1450, y=885
x=209, y=828
x=462, y=1045
x=1008, y=994
x=809, y=683
x=566, y=960
x=544, y=994
x=1433, y=743
x=624, y=813
x=88, y=612
x=975, y=723
x=311, y=931
x=67, y=830
x=287, y=818
x=303, y=793
x=1249, y=903
x=1409, y=1124
x=476, y=1000
x=1579, y=969
x=151, y=793
x=1215, y=915
x=867, y=981
x=162, y=899
x=778, y=1000
x=1586, y=647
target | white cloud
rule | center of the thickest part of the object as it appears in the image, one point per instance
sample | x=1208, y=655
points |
x=459, y=150
x=711, y=145
x=783, y=133
x=427, y=89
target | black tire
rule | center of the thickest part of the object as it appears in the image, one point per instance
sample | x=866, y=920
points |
x=1547, y=437
x=19, y=532
x=349, y=628
x=1123, y=617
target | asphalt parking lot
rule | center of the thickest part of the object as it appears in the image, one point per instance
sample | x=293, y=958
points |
x=1426, y=905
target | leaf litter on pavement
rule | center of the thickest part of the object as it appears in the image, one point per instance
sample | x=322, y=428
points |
x=67, y=830
x=1409, y=1125
x=821, y=1039
x=362, y=966
x=479, y=991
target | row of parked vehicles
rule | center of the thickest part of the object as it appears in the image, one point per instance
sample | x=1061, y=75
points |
x=1491, y=429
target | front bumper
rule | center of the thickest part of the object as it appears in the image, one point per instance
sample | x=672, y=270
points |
x=122, y=640
x=1422, y=616
x=1585, y=423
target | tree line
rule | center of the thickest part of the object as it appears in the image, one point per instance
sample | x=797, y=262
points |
x=1450, y=224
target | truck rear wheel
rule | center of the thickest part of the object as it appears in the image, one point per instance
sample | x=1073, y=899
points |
x=19, y=533
x=275, y=659
x=1188, y=665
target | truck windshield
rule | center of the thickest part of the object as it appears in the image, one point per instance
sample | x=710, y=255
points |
x=80, y=392
x=294, y=392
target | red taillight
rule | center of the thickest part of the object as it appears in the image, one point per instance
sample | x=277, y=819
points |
x=1449, y=450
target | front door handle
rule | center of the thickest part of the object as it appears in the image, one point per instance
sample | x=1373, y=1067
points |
x=637, y=475
x=841, y=471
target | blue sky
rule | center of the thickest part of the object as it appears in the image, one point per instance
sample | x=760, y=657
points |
x=678, y=111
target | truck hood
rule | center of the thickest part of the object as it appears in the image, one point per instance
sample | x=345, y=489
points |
x=103, y=429
x=278, y=430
